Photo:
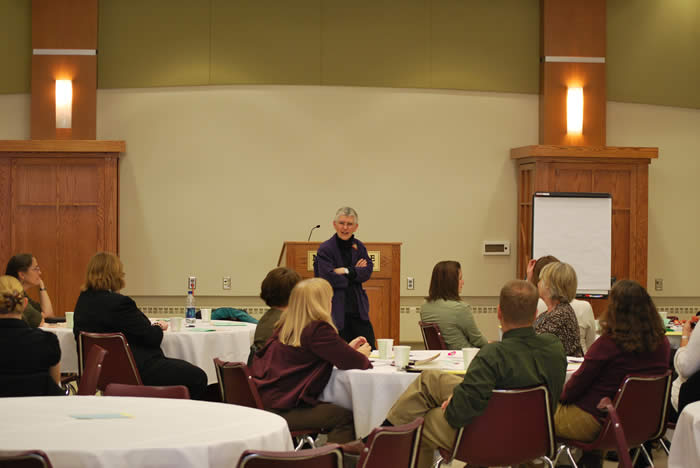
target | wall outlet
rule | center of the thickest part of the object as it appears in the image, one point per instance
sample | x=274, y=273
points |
x=410, y=283
x=659, y=284
x=226, y=282
x=192, y=283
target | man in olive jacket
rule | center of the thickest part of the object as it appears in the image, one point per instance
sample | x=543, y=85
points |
x=521, y=359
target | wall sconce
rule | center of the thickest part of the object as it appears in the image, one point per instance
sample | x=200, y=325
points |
x=574, y=110
x=64, y=103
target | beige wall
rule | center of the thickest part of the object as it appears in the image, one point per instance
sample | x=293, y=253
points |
x=216, y=178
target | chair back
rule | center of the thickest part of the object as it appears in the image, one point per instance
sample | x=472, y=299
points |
x=328, y=456
x=641, y=404
x=392, y=446
x=432, y=336
x=149, y=391
x=92, y=371
x=118, y=366
x=517, y=426
x=236, y=384
x=25, y=459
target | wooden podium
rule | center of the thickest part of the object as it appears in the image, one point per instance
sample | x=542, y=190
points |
x=382, y=288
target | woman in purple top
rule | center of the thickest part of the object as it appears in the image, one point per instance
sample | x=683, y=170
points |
x=632, y=341
x=294, y=366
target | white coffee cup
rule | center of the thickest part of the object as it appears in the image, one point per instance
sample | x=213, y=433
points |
x=69, y=319
x=664, y=315
x=206, y=315
x=384, y=346
x=401, y=355
x=176, y=324
x=469, y=354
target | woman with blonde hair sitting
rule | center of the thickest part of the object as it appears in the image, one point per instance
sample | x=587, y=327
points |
x=101, y=309
x=294, y=366
x=557, y=288
x=29, y=357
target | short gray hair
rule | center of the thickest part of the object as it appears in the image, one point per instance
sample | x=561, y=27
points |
x=346, y=211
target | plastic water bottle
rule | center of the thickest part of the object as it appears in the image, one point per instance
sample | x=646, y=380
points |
x=190, y=313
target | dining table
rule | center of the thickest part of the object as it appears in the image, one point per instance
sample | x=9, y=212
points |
x=121, y=432
x=685, y=445
x=198, y=345
x=371, y=393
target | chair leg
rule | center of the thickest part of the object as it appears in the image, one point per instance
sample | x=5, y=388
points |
x=665, y=446
x=571, y=457
x=438, y=462
x=635, y=456
x=646, y=455
x=559, y=452
x=548, y=461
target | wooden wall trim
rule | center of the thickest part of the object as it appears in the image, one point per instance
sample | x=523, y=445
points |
x=62, y=146
x=618, y=152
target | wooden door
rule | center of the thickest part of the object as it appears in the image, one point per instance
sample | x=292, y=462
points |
x=59, y=214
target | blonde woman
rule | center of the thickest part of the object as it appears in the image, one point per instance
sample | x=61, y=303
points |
x=557, y=288
x=294, y=366
x=29, y=357
x=101, y=309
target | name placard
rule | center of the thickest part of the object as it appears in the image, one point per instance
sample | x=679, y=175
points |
x=375, y=255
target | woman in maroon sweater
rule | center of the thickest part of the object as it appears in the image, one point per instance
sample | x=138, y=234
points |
x=294, y=366
x=632, y=341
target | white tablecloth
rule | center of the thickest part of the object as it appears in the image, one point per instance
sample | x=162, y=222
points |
x=159, y=433
x=230, y=341
x=685, y=446
x=371, y=393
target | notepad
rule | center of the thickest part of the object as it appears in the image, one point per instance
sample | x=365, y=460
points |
x=229, y=324
x=201, y=329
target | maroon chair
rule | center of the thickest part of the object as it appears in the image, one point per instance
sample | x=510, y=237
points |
x=641, y=405
x=432, y=336
x=119, y=365
x=148, y=391
x=25, y=459
x=517, y=427
x=328, y=456
x=237, y=388
x=92, y=371
x=395, y=446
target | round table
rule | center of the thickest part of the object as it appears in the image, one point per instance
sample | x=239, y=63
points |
x=371, y=393
x=685, y=445
x=224, y=339
x=156, y=433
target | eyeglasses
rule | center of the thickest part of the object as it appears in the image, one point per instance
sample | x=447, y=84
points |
x=36, y=268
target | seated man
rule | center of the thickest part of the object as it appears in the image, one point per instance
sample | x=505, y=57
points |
x=522, y=359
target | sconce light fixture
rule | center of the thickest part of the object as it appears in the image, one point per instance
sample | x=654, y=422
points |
x=574, y=110
x=64, y=103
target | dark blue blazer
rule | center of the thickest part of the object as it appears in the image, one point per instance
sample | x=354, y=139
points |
x=327, y=259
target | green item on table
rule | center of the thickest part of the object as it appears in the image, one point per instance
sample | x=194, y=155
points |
x=201, y=329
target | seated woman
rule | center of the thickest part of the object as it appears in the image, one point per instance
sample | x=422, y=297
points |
x=293, y=367
x=582, y=309
x=29, y=358
x=686, y=361
x=445, y=307
x=101, y=309
x=557, y=287
x=26, y=269
x=274, y=290
x=632, y=340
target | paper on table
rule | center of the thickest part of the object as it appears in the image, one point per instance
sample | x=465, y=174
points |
x=101, y=416
x=425, y=361
x=228, y=324
x=201, y=329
